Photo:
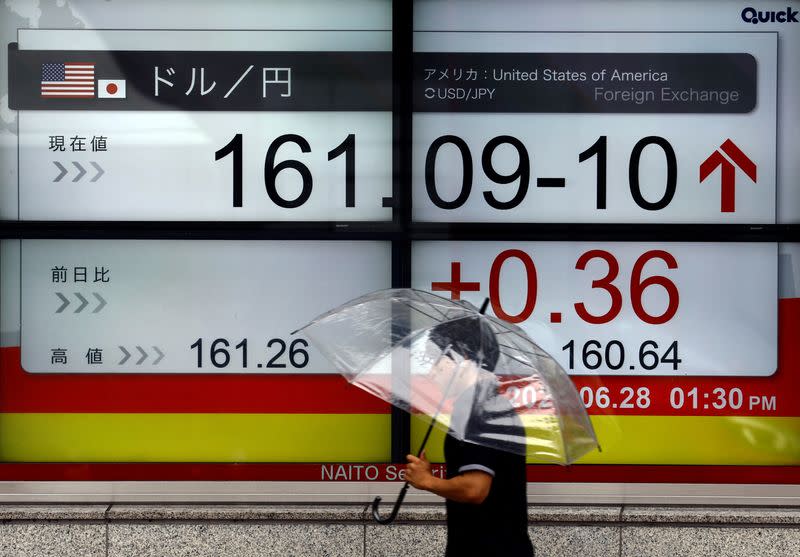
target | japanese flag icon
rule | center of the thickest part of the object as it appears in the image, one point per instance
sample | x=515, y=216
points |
x=111, y=88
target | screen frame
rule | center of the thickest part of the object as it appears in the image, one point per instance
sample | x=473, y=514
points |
x=57, y=482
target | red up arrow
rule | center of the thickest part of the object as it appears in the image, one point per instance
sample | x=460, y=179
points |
x=728, y=171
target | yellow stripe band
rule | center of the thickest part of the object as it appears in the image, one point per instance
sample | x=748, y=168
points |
x=674, y=440
x=194, y=437
x=687, y=440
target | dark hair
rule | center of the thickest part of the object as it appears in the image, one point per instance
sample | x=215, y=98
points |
x=470, y=337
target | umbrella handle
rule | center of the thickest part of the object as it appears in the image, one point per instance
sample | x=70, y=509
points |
x=377, y=501
x=389, y=519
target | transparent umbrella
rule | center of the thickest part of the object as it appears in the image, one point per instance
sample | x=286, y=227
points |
x=480, y=379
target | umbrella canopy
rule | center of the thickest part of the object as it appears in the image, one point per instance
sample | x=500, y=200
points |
x=480, y=379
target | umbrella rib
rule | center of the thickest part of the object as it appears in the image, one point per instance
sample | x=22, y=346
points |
x=425, y=314
x=508, y=329
x=407, y=338
x=447, y=316
x=518, y=349
x=428, y=303
x=361, y=300
x=445, y=300
x=510, y=357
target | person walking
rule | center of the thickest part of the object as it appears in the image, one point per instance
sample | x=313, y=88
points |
x=485, y=488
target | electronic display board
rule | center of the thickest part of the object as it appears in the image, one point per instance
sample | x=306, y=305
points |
x=638, y=112
x=138, y=307
x=658, y=353
x=624, y=308
x=184, y=349
x=565, y=112
x=251, y=110
x=186, y=124
x=562, y=131
x=605, y=112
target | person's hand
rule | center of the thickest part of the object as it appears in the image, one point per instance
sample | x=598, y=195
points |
x=418, y=471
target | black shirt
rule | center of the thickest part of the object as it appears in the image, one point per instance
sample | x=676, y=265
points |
x=499, y=525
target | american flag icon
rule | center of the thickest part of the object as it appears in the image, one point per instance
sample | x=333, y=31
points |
x=68, y=80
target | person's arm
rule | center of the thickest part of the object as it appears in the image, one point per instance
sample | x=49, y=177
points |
x=471, y=486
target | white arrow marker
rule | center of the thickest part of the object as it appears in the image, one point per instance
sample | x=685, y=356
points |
x=64, y=300
x=82, y=172
x=102, y=302
x=84, y=302
x=144, y=355
x=63, y=172
x=100, y=171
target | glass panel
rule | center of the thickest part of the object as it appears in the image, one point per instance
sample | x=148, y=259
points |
x=159, y=351
x=201, y=111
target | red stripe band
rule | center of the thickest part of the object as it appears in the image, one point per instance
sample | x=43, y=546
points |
x=348, y=472
x=27, y=392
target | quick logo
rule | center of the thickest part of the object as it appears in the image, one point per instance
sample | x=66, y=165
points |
x=751, y=15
